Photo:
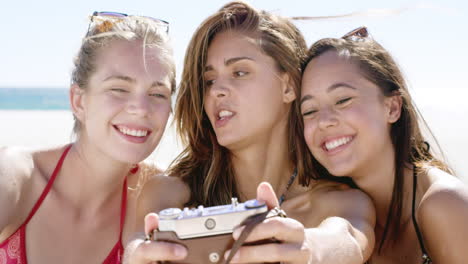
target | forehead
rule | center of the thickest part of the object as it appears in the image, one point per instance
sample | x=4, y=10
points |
x=132, y=58
x=330, y=66
x=133, y=50
x=231, y=43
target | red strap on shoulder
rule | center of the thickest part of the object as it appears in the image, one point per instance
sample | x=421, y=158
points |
x=49, y=184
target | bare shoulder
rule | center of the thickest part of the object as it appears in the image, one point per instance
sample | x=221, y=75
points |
x=160, y=192
x=148, y=170
x=340, y=195
x=442, y=215
x=15, y=160
x=444, y=191
x=328, y=199
x=16, y=167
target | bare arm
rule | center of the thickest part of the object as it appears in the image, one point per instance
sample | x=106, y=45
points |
x=443, y=216
x=346, y=235
x=14, y=171
x=336, y=240
x=158, y=193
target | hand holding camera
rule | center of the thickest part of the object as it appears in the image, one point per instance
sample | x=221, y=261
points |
x=289, y=243
x=206, y=232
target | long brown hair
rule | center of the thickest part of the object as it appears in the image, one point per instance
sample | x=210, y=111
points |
x=205, y=165
x=411, y=149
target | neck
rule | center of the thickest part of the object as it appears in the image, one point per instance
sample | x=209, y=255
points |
x=377, y=181
x=89, y=179
x=266, y=160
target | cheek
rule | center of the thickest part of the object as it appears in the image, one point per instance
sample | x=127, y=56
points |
x=369, y=120
x=309, y=129
x=208, y=107
x=162, y=111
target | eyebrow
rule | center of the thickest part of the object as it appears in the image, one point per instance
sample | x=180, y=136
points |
x=230, y=61
x=132, y=80
x=329, y=89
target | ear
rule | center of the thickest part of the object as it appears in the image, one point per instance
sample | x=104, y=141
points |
x=76, y=102
x=287, y=89
x=393, y=106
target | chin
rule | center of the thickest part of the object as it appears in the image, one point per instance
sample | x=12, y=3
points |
x=225, y=140
x=132, y=155
x=339, y=170
x=131, y=158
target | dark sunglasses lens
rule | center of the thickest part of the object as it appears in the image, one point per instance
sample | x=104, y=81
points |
x=362, y=32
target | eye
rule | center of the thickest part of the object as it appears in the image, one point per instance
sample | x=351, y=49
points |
x=240, y=73
x=208, y=83
x=344, y=101
x=159, y=95
x=119, y=90
x=309, y=113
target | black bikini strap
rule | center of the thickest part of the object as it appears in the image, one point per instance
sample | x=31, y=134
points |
x=416, y=227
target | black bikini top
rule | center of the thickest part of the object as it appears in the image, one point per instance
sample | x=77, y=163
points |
x=425, y=257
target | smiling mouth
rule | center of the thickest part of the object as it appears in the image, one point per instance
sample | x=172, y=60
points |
x=223, y=114
x=139, y=133
x=336, y=143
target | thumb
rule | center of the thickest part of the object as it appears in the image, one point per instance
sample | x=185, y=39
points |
x=151, y=222
x=265, y=193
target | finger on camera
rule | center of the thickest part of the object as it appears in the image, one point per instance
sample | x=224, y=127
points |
x=153, y=251
x=265, y=193
x=282, y=229
x=290, y=253
x=151, y=222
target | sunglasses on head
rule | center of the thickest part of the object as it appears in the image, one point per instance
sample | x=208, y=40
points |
x=359, y=33
x=117, y=15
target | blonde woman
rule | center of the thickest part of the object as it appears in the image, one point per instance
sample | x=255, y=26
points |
x=74, y=204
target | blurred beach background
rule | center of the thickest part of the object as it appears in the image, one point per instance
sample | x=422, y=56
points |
x=40, y=38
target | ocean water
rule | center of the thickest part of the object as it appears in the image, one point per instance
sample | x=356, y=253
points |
x=34, y=99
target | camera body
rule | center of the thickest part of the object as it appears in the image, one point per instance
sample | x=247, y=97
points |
x=206, y=232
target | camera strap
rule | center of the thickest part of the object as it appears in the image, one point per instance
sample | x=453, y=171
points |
x=250, y=223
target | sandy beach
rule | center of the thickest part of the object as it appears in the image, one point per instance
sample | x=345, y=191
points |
x=36, y=129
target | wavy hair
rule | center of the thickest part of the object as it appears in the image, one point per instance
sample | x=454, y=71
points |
x=204, y=164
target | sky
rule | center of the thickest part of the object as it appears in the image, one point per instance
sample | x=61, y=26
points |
x=429, y=40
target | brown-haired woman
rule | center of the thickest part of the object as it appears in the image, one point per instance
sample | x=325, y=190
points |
x=360, y=121
x=237, y=113
x=71, y=204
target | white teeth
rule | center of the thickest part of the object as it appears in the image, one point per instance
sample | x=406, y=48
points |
x=225, y=113
x=133, y=132
x=337, y=142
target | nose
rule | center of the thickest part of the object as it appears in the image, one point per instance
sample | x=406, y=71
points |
x=327, y=118
x=218, y=89
x=139, y=105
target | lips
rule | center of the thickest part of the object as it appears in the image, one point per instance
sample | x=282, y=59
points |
x=223, y=116
x=132, y=133
x=336, y=144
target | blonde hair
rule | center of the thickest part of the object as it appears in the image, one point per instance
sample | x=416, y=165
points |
x=104, y=30
x=204, y=164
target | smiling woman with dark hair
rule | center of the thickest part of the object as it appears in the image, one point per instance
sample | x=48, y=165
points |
x=360, y=122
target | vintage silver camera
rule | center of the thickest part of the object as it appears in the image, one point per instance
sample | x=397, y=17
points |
x=206, y=232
